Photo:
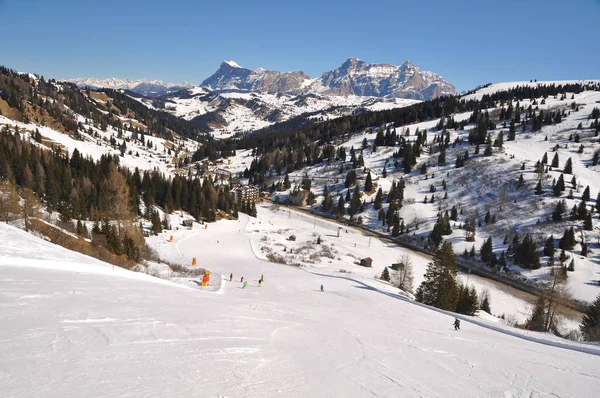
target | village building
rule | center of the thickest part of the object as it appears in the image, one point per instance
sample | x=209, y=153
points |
x=366, y=262
x=246, y=193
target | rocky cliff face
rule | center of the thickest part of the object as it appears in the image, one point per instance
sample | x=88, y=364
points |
x=353, y=77
x=356, y=77
x=231, y=76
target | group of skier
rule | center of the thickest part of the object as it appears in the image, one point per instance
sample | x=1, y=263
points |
x=245, y=282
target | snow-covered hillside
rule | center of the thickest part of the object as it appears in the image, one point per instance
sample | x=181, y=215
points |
x=69, y=330
x=229, y=113
x=496, y=87
x=489, y=183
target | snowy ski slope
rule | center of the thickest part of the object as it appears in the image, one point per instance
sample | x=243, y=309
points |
x=66, y=331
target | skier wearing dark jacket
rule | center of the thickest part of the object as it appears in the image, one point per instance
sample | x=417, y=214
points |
x=456, y=324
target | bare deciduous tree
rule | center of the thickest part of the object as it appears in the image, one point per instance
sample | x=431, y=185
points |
x=470, y=229
x=31, y=205
x=9, y=202
x=403, y=277
x=118, y=195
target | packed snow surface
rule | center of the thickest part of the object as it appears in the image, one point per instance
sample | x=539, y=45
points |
x=67, y=331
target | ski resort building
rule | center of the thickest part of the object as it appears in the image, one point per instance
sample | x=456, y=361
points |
x=246, y=193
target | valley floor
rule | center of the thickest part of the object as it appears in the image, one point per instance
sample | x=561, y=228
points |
x=72, y=327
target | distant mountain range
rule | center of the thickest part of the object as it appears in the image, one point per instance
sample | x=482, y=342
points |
x=147, y=88
x=353, y=77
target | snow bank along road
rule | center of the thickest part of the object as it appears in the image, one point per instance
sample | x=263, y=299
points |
x=75, y=327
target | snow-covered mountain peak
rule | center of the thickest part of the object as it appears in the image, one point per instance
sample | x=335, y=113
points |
x=233, y=64
x=353, y=77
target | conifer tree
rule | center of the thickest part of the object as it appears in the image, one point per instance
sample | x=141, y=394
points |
x=350, y=178
x=549, y=247
x=511, y=131
x=568, y=242
x=486, y=251
x=439, y=288
x=526, y=253
x=559, y=187
x=485, y=302
x=355, y=202
x=586, y=194
x=521, y=181
x=559, y=210
x=454, y=214
x=538, y=188
x=587, y=223
x=368, y=183
x=555, y=160
x=378, y=199
x=590, y=324
x=568, y=169
x=468, y=302
x=341, y=210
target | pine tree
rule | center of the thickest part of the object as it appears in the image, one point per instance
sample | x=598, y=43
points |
x=586, y=194
x=485, y=302
x=341, y=210
x=378, y=199
x=555, y=160
x=521, y=181
x=454, y=214
x=486, y=251
x=587, y=223
x=350, y=178
x=590, y=324
x=538, y=188
x=488, y=147
x=559, y=210
x=511, y=131
x=581, y=211
x=568, y=169
x=368, y=183
x=559, y=187
x=549, y=247
x=568, y=242
x=439, y=288
x=468, y=302
x=526, y=254
x=355, y=202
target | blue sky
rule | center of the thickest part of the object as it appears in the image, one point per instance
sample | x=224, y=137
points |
x=468, y=42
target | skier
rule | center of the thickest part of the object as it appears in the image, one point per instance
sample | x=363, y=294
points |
x=456, y=324
x=230, y=277
x=245, y=285
x=262, y=277
x=259, y=282
x=322, y=288
x=242, y=280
